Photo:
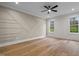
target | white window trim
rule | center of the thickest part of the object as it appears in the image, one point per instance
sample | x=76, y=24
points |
x=49, y=25
x=69, y=24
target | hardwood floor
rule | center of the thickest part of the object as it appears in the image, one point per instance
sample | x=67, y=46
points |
x=42, y=47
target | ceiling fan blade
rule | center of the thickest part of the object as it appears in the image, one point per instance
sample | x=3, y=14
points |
x=46, y=7
x=49, y=7
x=44, y=10
x=54, y=10
x=54, y=7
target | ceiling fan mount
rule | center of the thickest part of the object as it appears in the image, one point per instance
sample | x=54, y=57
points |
x=50, y=9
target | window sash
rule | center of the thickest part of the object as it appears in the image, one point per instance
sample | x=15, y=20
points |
x=51, y=28
x=74, y=25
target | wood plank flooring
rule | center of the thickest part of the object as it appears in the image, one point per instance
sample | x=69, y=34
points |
x=42, y=47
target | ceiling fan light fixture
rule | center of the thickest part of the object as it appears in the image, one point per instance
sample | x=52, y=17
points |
x=49, y=10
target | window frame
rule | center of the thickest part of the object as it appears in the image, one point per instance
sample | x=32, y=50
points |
x=70, y=25
x=49, y=26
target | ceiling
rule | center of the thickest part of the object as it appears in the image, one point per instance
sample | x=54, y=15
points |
x=35, y=8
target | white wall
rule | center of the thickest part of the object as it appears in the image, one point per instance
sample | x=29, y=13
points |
x=17, y=26
x=62, y=27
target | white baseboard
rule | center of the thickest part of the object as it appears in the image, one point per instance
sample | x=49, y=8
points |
x=19, y=41
x=63, y=38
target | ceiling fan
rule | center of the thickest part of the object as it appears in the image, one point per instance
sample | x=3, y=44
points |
x=50, y=8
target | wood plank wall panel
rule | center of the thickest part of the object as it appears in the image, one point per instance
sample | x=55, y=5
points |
x=17, y=26
x=9, y=29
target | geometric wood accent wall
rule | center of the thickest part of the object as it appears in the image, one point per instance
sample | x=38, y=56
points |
x=9, y=28
x=15, y=25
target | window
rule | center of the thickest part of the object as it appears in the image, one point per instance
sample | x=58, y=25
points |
x=74, y=24
x=51, y=27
